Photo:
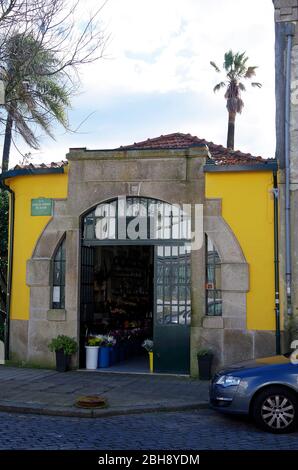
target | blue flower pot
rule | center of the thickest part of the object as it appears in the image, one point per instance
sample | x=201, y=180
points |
x=104, y=356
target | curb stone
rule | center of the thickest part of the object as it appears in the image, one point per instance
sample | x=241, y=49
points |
x=14, y=407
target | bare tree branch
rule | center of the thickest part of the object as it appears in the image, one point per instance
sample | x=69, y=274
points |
x=43, y=44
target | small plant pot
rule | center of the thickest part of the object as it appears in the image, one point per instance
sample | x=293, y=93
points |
x=91, y=357
x=62, y=361
x=204, y=365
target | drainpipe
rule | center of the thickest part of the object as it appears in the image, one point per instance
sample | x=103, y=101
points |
x=276, y=265
x=289, y=33
x=10, y=264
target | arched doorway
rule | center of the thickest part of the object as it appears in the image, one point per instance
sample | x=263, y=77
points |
x=135, y=279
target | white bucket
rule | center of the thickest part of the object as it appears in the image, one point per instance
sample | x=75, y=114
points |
x=92, y=357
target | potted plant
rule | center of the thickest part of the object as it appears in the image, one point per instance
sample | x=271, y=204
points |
x=112, y=344
x=205, y=357
x=64, y=347
x=107, y=342
x=148, y=345
x=92, y=351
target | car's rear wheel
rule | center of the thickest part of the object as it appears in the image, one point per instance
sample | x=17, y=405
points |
x=275, y=410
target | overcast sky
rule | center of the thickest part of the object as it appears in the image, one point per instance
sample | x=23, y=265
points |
x=158, y=78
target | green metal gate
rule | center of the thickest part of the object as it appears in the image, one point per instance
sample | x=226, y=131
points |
x=172, y=312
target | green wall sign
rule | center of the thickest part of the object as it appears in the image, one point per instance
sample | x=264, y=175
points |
x=41, y=206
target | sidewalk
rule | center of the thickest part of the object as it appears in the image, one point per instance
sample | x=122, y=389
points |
x=49, y=392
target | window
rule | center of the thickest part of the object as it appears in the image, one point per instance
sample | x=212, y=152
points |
x=58, y=292
x=213, y=280
x=153, y=219
x=173, y=300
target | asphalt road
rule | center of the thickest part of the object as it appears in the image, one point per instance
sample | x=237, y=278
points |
x=195, y=430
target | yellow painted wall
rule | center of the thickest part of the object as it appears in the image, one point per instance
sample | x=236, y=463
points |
x=247, y=206
x=28, y=229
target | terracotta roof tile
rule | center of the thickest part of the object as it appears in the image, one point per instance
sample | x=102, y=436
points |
x=220, y=154
x=38, y=166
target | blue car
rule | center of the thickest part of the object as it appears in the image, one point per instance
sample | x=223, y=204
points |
x=265, y=389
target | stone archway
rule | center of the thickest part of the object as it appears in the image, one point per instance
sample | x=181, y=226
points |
x=44, y=322
x=172, y=176
x=215, y=331
x=235, y=272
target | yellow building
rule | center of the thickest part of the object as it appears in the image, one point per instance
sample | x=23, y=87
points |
x=172, y=239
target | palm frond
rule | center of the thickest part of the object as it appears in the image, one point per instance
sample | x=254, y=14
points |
x=228, y=60
x=256, y=84
x=50, y=88
x=241, y=86
x=57, y=110
x=25, y=131
x=250, y=72
x=240, y=59
x=219, y=86
x=33, y=95
x=42, y=120
x=240, y=105
x=215, y=66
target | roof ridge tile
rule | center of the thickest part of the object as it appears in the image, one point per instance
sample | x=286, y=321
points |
x=219, y=154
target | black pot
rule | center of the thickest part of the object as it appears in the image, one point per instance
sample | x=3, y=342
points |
x=204, y=364
x=62, y=361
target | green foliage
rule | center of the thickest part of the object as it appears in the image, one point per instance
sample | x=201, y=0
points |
x=65, y=343
x=3, y=229
x=94, y=341
x=204, y=352
x=35, y=95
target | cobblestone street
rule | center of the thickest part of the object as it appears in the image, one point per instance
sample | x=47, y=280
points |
x=196, y=430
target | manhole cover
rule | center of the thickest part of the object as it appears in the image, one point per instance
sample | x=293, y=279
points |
x=91, y=401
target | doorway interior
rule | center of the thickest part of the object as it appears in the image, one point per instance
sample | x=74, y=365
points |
x=117, y=299
x=136, y=282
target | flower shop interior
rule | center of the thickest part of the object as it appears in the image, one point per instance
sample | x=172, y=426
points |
x=117, y=304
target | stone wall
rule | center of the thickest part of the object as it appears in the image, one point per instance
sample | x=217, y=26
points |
x=286, y=15
x=285, y=10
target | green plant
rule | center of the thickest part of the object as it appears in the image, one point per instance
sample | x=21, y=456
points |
x=204, y=352
x=94, y=341
x=64, y=343
x=106, y=340
x=148, y=345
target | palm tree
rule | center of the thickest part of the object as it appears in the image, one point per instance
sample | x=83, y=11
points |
x=34, y=97
x=236, y=69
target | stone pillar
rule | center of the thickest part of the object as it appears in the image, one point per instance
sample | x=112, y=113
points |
x=46, y=323
x=286, y=12
x=197, y=305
